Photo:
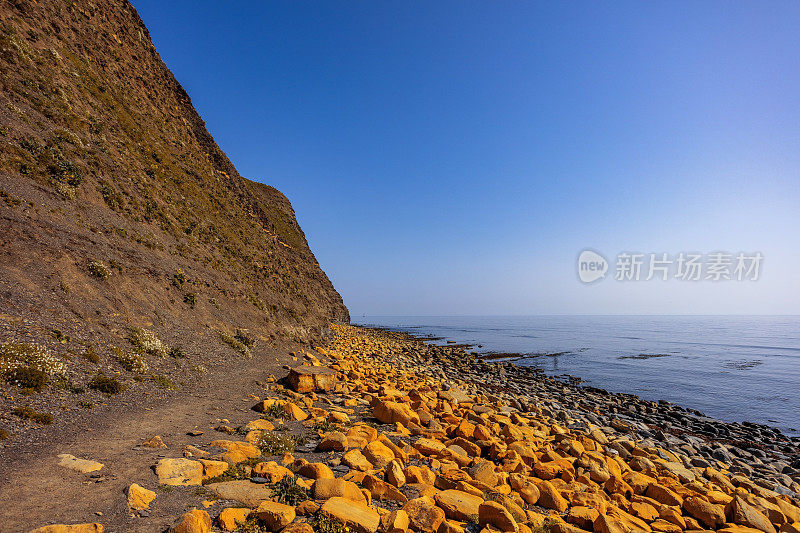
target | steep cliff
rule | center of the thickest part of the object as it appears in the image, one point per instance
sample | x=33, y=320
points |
x=118, y=211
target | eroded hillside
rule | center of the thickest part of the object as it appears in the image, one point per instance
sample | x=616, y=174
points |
x=126, y=234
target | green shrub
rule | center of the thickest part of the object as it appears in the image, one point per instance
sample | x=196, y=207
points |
x=26, y=413
x=4, y=434
x=236, y=344
x=177, y=352
x=90, y=355
x=28, y=378
x=274, y=444
x=147, y=342
x=288, y=491
x=132, y=362
x=15, y=355
x=106, y=384
x=164, y=382
x=99, y=270
x=179, y=278
x=190, y=298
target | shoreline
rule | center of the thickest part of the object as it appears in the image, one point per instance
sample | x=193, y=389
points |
x=775, y=455
x=492, y=356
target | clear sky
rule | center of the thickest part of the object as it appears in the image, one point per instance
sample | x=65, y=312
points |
x=454, y=157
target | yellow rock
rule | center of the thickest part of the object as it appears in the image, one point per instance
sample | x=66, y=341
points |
x=378, y=454
x=294, y=412
x=550, y=498
x=260, y=424
x=394, y=522
x=458, y=505
x=333, y=441
x=324, y=489
x=355, y=459
x=395, y=475
x=179, y=472
x=272, y=471
x=275, y=515
x=213, y=468
x=424, y=515
x=84, y=466
x=494, y=514
x=155, y=442
x=356, y=515
x=230, y=519
x=706, y=512
x=316, y=471
x=139, y=498
x=391, y=412
x=74, y=528
x=196, y=521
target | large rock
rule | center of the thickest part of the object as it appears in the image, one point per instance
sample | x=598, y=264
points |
x=196, y=521
x=179, y=472
x=356, y=460
x=73, y=528
x=311, y=378
x=494, y=514
x=706, y=512
x=459, y=505
x=242, y=490
x=424, y=515
x=230, y=519
x=333, y=441
x=356, y=515
x=325, y=488
x=139, y=498
x=550, y=498
x=391, y=412
x=84, y=466
x=378, y=454
x=741, y=513
x=275, y=515
x=484, y=472
x=395, y=522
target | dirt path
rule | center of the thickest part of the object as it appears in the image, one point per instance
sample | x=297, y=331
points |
x=35, y=491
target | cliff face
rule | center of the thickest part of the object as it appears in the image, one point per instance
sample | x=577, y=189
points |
x=117, y=208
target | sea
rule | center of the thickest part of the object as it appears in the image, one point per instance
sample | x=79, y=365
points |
x=732, y=368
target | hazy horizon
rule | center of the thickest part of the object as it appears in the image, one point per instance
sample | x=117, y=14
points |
x=457, y=157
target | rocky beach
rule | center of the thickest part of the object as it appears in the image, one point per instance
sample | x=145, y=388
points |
x=377, y=431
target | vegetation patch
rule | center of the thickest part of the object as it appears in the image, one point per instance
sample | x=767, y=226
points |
x=14, y=355
x=132, y=362
x=325, y=524
x=288, y=491
x=26, y=413
x=28, y=378
x=236, y=344
x=4, y=434
x=177, y=352
x=147, y=342
x=99, y=269
x=164, y=382
x=275, y=444
x=107, y=385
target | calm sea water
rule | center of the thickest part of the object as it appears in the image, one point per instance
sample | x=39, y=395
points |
x=734, y=368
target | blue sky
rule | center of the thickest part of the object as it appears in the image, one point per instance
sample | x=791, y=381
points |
x=455, y=157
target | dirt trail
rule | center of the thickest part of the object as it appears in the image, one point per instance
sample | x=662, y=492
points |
x=35, y=491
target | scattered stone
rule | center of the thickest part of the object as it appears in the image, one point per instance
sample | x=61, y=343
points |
x=139, y=498
x=155, y=442
x=196, y=521
x=84, y=466
x=230, y=519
